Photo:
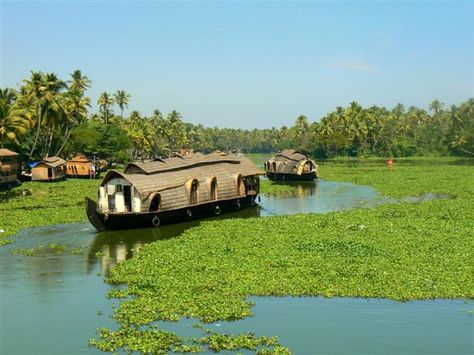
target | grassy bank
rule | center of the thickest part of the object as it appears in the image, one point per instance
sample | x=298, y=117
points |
x=33, y=204
x=400, y=251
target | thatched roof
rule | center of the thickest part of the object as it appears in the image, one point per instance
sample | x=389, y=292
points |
x=173, y=172
x=7, y=153
x=52, y=162
x=291, y=154
x=79, y=158
x=180, y=163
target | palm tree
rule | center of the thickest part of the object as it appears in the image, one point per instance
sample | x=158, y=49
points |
x=75, y=113
x=79, y=81
x=122, y=98
x=12, y=122
x=104, y=102
x=44, y=91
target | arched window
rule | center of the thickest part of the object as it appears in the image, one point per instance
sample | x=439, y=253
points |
x=155, y=203
x=213, y=189
x=193, y=190
x=240, y=185
x=274, y=164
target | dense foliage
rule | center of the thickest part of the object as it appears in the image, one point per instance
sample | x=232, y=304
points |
x=399, y=251
x=50, y=116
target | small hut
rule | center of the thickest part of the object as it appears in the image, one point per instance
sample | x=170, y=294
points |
x=290, y=164
x=49, y=169
x=81, y=166
x=9, y=167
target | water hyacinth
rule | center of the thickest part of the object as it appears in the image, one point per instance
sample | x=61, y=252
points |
x=399, y=251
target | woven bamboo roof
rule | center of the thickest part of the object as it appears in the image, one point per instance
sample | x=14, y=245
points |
x=53, y=162
x=173, y=172
x=7, y=153
x=79, y=158
x=179, y=163
x=291, y=154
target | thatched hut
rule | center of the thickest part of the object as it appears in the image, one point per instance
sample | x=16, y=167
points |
x=290, y=164
x=49, y=169
x=147, y=194
x=9, y=167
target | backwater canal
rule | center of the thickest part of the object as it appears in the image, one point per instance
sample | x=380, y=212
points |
x=52, y=303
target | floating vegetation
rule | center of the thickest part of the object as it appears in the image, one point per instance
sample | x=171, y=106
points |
x=268, y=187
x=41, y=249
x=400, y=251
x=42, y=204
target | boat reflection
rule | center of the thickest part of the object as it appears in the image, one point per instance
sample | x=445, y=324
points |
x=112, y=247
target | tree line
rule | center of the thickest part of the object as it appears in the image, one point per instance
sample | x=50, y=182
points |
x=50, y=116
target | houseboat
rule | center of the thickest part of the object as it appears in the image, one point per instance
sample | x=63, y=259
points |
x=290, y=164
x=82, y=167
x=172, y=190
x=49, y=169
x=9, y=167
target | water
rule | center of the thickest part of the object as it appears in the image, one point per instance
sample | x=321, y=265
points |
x=52, y=303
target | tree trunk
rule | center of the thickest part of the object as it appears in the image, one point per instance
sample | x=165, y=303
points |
x=68, y=133
x=50, y=140
x=466, y=151
x=37, y=135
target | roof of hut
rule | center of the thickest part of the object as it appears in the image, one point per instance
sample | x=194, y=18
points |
x=7, y=153
x=53, y=162
x=79, y=158
x=291, y=154
x=173, y=172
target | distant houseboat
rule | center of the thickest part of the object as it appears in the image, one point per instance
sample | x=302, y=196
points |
x=290, y=164
x=81, y=166
x=173, y=189
x=49, y=169
x=9, y=167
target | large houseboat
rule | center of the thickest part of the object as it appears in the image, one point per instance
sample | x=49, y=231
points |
x=290, y=164
x=172, y=190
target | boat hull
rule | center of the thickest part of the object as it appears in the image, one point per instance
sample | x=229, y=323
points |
x=291, y=177
x=129, y=220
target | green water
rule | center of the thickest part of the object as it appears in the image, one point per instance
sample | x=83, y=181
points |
x=52, y=303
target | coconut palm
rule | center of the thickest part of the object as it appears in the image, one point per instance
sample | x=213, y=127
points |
x=79, y=81
x=44, y=91
x=122, y=99
x=104, y=102
x=75, y=113
x=12, y=122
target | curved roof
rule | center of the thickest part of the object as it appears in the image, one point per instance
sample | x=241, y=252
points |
x=180, y=163
x=157, y=176
x=291, y=154
x=7, y=153
x=80, y=158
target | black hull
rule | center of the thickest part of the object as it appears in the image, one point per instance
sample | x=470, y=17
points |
x=155, y=219
x=291, y=177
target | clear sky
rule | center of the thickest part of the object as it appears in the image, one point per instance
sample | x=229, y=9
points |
x=247, y=64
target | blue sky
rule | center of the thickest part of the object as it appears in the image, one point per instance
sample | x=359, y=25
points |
x=247, y=64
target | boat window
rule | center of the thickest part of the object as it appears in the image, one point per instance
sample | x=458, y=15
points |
x=155, y=203
x=213, y=189
x=193, y=197
x=240, y=186
x=127, y=192
x=111, y=200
